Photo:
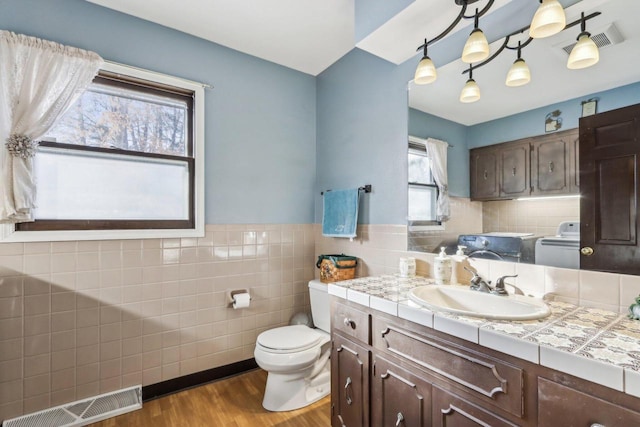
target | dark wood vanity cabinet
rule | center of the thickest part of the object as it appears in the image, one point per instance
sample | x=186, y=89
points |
x=537, y=166
x=407, y=375
x=349, y=384
x=398, y=396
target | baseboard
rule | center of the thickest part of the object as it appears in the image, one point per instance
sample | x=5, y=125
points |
x=153, y=391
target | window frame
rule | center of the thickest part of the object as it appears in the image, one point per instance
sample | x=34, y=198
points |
x=418, y=144
x=64, y=230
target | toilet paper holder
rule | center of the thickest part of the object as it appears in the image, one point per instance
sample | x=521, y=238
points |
x=231, y=293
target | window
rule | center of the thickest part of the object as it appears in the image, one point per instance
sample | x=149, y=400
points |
x=423, y=191
x=126, y=156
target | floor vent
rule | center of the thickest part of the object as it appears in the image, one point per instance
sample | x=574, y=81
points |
x=602, y=37
x=84, y=411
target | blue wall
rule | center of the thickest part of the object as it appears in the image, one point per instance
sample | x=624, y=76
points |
x=362, y=134
x=260, y=117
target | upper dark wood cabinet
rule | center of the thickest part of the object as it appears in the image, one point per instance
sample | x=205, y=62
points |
x=484, y=174
x=514, y=170
x=551, y=160
x=539, y=166
x=609, y=183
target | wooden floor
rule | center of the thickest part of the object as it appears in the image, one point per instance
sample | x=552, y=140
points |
x=232, y=402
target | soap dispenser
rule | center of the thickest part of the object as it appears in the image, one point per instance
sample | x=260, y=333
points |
x=442, y=268
x=455, y=260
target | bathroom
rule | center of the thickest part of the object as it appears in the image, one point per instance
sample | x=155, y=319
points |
x=275, y=139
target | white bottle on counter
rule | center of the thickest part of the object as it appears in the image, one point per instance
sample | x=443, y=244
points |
x=455, y=260
x=407, y=267
x=442, y=268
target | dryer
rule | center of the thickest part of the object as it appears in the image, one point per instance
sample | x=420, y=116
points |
x=561, y=250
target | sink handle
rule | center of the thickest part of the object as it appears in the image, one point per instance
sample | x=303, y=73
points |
x=499, y=289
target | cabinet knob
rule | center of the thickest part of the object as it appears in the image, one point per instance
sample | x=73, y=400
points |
x=349, y=323
x=597, y=425
x=513, y=172
x=486, y=174
x=401, y=419
x=551, y=167
x=586, y=251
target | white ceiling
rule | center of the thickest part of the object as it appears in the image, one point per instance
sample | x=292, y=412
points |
x=306, y=35
x=310, y=35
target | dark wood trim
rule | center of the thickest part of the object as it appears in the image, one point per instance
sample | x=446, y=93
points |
x=154, y=391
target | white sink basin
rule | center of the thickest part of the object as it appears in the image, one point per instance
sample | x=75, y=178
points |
x=462, y=300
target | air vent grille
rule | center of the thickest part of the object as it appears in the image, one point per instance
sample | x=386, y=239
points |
x=84, y=411
x=602, y=38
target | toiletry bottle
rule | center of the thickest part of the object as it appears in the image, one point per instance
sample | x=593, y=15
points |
x=455, y=260
x=442, y=268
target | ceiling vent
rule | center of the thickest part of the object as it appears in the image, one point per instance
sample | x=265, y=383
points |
x=602, y=37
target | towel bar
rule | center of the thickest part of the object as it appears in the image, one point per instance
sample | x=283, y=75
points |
x=365, y=188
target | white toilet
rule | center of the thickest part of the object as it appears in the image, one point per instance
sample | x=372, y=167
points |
x=297, y=357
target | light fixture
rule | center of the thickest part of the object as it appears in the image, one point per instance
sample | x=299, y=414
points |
x=476, y=48
x=471, y=91
x=519, y=73
x=548, y=20
x=585, y=53
x=426, y=72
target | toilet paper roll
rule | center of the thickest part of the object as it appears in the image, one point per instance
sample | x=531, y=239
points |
x=241, y=300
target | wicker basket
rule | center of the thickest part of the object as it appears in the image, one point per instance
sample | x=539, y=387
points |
x=334, y=268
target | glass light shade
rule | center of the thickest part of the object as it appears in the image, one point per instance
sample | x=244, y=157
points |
x=476, y=48
x=426, y=72
x=548, y=20
x=584, y=54
x=518, y=74
x=470, y=92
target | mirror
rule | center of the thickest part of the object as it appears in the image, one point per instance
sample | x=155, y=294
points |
x=507, y=114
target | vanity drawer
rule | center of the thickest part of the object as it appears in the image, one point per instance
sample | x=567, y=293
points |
x=351, y=322
x=565, y=406
x=452, y=411
x=492, y=381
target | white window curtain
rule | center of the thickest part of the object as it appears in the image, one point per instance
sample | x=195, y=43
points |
x=437, y=151
x=39, y=80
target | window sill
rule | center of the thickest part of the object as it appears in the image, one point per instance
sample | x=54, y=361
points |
x=63, y=236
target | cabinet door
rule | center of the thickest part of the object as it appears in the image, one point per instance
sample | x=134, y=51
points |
x=561, y=405
x=484, y=174
x=551, y=162
x=399, y=397
x=450, y=410
x=514, y=170
x=349, y=384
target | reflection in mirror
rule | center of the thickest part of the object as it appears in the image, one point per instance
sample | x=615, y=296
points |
x=511, y=228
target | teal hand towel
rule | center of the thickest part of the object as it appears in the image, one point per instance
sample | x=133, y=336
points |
x=340, y=213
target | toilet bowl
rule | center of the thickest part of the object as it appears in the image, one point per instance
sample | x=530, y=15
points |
x=296, y=358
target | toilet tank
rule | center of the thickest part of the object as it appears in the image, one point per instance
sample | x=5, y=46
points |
x=320, y=311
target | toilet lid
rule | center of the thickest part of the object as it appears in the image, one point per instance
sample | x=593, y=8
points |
x=289, y=338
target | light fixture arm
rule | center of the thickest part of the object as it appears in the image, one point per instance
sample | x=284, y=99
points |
x=461, y=15
x=505, y=45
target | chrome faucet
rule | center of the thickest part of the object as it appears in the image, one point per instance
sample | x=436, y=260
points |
x=477, y=283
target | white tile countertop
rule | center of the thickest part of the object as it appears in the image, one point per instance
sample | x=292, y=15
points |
x=597, y=345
